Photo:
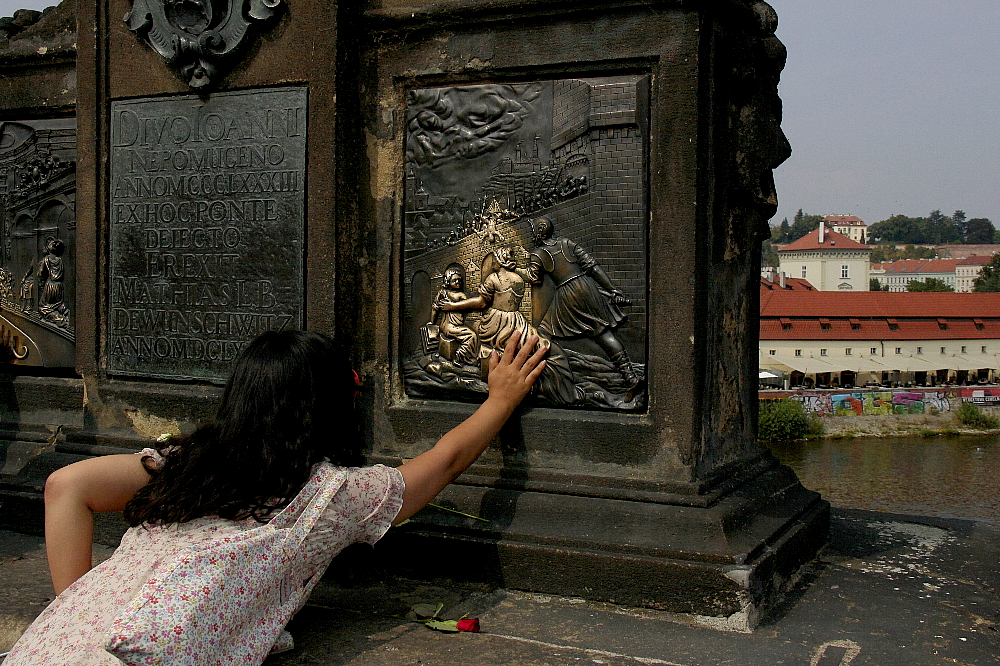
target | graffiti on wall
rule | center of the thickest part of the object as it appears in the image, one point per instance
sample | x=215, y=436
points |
x=874, y=403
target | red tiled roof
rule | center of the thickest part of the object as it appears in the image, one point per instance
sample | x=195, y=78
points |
x=981, y=260
x=875, y=329
x=878, y=315
x=867, y=304
x=845, y=220
x=831, y=241
x=930, y=265
x=921, y=265
x=791, y=284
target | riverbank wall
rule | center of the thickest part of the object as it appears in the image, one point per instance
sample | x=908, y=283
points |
x=880, y=412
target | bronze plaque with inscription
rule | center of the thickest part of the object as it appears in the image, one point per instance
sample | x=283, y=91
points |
x=207, y=207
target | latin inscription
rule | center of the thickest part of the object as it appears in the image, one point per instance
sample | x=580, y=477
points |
x=207, y=200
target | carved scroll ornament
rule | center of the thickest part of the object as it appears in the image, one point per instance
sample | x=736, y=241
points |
x=198, y=37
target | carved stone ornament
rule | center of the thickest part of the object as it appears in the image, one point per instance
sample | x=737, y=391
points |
x=197, y=37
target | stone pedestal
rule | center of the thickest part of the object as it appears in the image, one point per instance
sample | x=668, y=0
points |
x=661, y=496
x=381, y=158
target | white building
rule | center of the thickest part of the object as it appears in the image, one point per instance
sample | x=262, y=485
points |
x=856, y=338
x=967, y=270
x=959, y=274
x=828, y=260
x=848, y=225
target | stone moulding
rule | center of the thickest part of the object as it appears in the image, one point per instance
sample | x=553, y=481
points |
x=193, y=37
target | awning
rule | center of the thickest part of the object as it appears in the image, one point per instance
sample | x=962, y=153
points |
x=862, y=363
x=805, y=364
x=971, y=362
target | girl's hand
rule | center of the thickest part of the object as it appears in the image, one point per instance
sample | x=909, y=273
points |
x=510, y=380
x=512, y=376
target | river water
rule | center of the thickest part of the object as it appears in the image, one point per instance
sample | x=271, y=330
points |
x=951, y=477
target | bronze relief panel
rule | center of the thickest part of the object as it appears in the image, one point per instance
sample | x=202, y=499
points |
x=38, y=256
x=525, y=210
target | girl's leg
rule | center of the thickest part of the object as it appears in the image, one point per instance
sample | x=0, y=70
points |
x=72, y=495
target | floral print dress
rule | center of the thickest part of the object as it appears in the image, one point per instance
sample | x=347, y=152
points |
x=73, y=630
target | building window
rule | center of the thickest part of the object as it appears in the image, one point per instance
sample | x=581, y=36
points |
x=920, y=350
x=983, y=349
x=798, y=352
x=963, y=349
x=772, y=352
x=942, y=350
x=899, y=350
x=848, y=351
x=803, y=272
x=822, y=352
x=845, y=271
x=875, y=351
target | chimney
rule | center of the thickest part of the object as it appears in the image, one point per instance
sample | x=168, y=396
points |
x=822, y=228
x=782, y=278
x=770, y=277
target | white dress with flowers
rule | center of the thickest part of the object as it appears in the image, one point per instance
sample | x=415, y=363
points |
x=73, y=629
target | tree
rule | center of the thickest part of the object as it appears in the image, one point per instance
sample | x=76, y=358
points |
x=989, y=277
x=785, y=232
x=978, y=231
x=889, y=252
x=875, y=285
x=897, y=229
x=768, y=255
x=802, y=224
x=930, y=284
x=938, y=228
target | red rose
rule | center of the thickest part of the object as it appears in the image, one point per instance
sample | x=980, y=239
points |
x=469, y=624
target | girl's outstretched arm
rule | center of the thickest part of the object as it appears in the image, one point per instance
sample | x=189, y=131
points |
x=510, y=381
x=72, y=495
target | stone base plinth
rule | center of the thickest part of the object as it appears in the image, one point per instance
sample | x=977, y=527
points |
x=729, y=561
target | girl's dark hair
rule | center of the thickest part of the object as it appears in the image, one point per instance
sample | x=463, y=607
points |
x=287, y=405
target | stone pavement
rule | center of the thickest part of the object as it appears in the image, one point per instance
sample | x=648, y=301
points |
x=889, y=590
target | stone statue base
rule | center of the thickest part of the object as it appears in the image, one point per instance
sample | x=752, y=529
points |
x=726, y=555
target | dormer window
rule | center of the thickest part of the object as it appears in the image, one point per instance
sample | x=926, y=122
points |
x=786, y=324
x=893, y=324
x=855, y=324
x=979, y=324
x=942, y=324
x=824, y=324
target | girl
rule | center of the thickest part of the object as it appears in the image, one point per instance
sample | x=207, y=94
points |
x=286, y=417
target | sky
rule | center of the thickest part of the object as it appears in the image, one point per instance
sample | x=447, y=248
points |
x=890, y=107
x=8, y=7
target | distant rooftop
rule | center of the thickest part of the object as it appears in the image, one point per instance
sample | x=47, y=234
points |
x=831, y=241
x=845, y=220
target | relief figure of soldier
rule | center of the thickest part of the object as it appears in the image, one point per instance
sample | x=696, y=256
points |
x=585, y=303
